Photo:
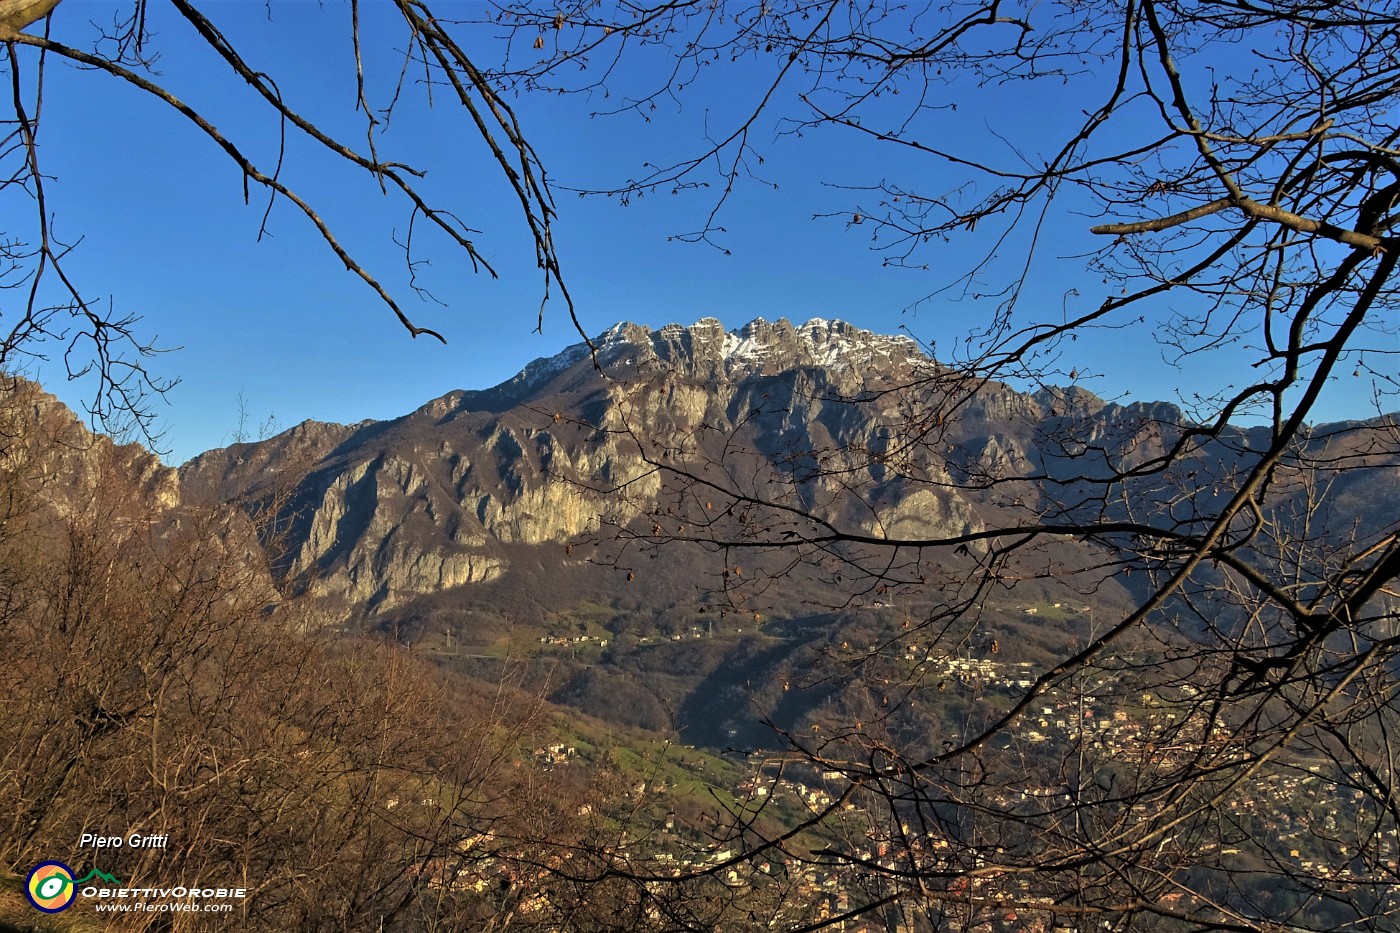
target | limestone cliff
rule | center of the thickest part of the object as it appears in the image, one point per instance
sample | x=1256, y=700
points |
x=376, y=515
x=60, y=481
x=379, y=513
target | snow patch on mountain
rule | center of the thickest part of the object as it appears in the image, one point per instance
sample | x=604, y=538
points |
x=758, y=346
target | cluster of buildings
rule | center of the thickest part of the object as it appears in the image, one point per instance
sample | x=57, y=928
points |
x=1295, y=823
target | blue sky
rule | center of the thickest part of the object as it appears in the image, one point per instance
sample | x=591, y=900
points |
x=166, y=234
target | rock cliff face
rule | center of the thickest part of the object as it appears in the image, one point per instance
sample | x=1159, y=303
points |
x=376, y=514
x=46, y=447
x=372, y=516
x=60, y=482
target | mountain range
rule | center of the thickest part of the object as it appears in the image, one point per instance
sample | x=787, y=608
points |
x=571, y=511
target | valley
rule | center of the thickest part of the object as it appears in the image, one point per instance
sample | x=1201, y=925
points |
x=763, y=625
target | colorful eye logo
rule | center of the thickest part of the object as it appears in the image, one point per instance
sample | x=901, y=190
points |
x=50, y=887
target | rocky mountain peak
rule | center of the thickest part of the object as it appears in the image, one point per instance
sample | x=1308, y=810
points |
x=706, y=350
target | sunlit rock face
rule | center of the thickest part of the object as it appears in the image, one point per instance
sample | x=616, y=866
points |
x=62, y=484
x=45, y=446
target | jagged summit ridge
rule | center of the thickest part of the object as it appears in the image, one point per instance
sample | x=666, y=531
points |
x=760, y=346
